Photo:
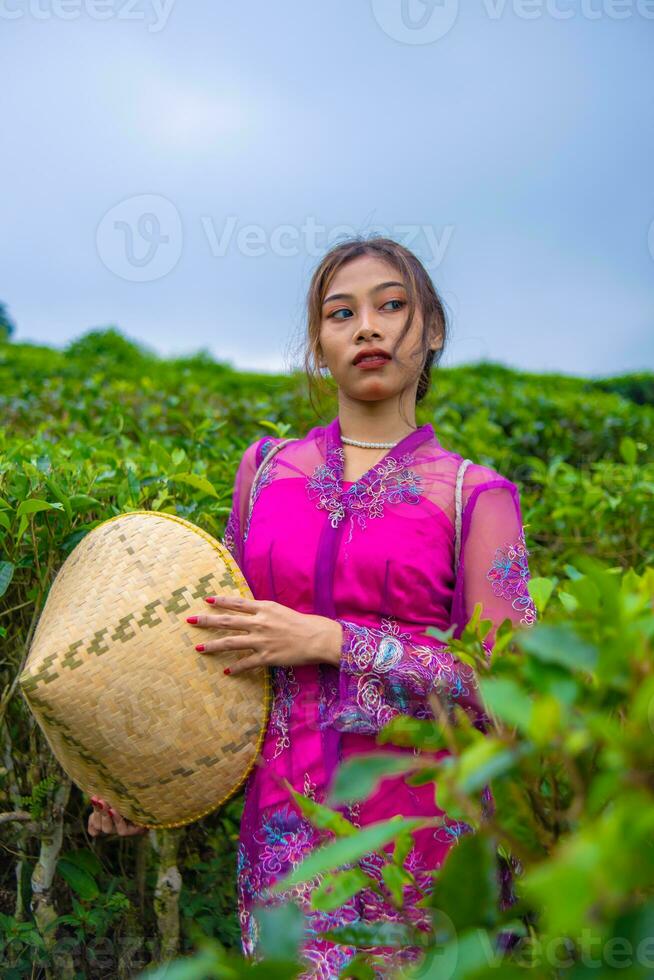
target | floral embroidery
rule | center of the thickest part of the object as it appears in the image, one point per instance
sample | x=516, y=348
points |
x=390, y=481
x=309, y=787
x=324, y=483
x=231, y=534
x=452, y=831
x=282, y=839
x=387, y=674
x=285, y=690
x=285, y=837
x=266, y=446
x=509, y=574
x=328, y=692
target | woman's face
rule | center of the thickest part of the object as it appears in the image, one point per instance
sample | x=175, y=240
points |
x=366, y=306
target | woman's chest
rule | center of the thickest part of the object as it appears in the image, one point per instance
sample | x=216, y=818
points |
x=318, y=549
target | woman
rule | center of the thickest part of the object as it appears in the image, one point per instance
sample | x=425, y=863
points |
x=349, y=550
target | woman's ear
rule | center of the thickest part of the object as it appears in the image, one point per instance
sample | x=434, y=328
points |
x=436, y=341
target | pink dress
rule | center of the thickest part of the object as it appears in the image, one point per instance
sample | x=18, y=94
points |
x=377, y=555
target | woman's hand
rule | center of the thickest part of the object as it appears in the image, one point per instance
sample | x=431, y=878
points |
x=105, y=820
x=276, y=634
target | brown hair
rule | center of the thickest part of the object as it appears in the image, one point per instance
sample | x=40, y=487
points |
x=421, y=293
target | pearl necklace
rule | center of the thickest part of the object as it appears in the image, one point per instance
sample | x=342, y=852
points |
x=369, y=445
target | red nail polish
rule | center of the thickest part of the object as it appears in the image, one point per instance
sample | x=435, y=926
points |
x=227, y=670
x=209, y=598
x=112, y=813
x=200, y=647
x=191, y=619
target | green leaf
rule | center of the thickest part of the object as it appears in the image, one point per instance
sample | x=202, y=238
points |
x=362, y=934
x=331, y=856
x=546, y=720
x=540, y=589
x=322, y=816
x=133, y=484
x=280, y=930
x=59, y=494
x=198, y=967
x=485, y=759
x=6, y=575
x=33, y=505
x=81, y=882
x=506, y=699
x=471, y=859
x=338, y=888
x=558, y=643
x=158, y=453
x=82, y=502
x=403, y=845
x=358, y=776
x=628, y=450
x=84, y=859
x=196, y=481
x=395, y=878
x=406, y=731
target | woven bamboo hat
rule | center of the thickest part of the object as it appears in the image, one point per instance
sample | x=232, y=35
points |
x=133, y=713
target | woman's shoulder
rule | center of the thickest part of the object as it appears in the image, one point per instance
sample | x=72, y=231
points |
x=266, y=444
x=480, y=475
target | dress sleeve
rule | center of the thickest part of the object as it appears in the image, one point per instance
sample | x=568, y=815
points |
x=236, y=522
x=493, y=568
x=384, y=673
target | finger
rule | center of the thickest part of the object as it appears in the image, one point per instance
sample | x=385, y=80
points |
x=125, y=827
x=119, y=821
x=247, y=663
x=236, y=602
x=106, y=822
x=135, y=828
x=95, y=820
x=227, y=643
x=223, y=621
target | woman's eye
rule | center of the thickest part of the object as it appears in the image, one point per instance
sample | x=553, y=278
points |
x=345, y=310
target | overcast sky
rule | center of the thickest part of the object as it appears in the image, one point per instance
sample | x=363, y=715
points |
x=177, y=169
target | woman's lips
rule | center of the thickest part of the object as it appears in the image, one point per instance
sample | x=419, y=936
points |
x=370, y=363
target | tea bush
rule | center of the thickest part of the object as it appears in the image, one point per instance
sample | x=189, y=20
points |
x=106, y=426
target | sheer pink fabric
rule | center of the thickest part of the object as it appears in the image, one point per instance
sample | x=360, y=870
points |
x=377, y=555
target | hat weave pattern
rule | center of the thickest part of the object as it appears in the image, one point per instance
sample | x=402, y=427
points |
x=132, y=712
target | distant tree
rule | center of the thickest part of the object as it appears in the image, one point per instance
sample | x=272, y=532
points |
x=7, y=325
x=109, y=345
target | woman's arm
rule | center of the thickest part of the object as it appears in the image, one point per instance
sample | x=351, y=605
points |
x=237, y=520
x=383, y=672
